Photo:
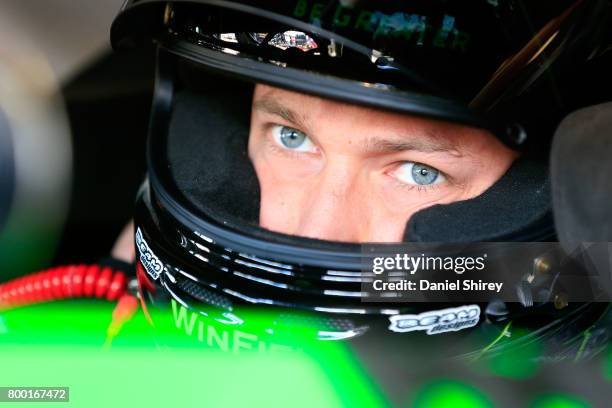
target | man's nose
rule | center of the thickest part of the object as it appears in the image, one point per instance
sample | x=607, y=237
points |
x=332, y=210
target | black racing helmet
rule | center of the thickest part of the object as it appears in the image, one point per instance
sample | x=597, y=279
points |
x=514, y=68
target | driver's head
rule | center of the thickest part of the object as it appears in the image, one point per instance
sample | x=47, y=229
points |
x=342, y=172
x=380, y=121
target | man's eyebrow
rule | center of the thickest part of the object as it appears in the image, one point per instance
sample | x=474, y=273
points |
x=429, y=143
x=273, y=107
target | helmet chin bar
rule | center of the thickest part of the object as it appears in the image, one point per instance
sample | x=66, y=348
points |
x=218, y=272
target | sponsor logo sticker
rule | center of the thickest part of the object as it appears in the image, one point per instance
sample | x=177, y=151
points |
x=437, y=321
x=149, y=260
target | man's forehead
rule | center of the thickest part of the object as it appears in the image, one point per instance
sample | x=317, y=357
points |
x=274, y=99
x=307, y=102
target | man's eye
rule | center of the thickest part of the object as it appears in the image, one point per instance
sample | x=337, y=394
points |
x=292, y=139
x=418, y=173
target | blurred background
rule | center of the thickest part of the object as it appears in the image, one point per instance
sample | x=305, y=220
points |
x=73, y=119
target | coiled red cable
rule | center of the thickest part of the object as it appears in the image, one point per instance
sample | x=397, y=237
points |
x=74, y=281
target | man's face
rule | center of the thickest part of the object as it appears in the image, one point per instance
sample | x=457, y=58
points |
x=341, y=172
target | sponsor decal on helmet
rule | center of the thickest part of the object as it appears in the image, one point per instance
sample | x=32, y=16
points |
x=414, y=28
x=149, y=260
x=225, y=336
x=437, y=321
